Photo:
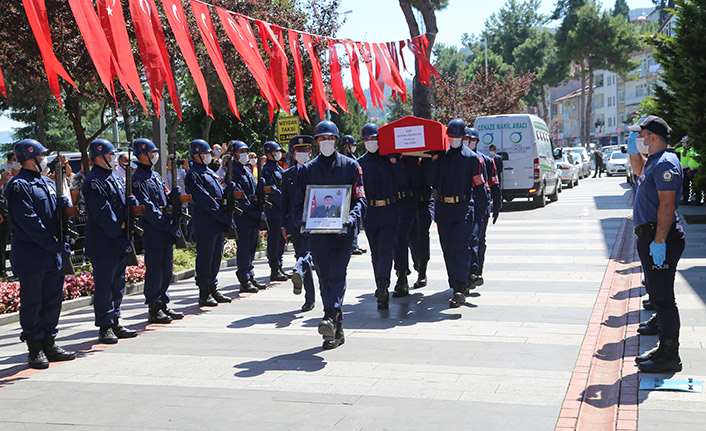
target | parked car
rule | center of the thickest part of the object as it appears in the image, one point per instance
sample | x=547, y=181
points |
x=616, y=163
x=569, y=171
x=581, y=156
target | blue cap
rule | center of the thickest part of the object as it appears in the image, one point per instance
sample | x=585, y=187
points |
x=28, y=149
x=237, y=146
x=472, y=133
x=456, y=128
x=326, y=128
x=142, y=146
x=301, y=142
x=348, y=140
x=271, y=146
x=199, y=146
x=100, y=147
x=369, y=130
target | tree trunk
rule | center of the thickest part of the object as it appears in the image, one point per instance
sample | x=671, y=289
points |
x=273, y=127
x=173, y=122
x=127, y=125
x=589, y=108
x=421, y=94
x=206, y=127
x=41, y=123
x=73, y=111
x=582, y=106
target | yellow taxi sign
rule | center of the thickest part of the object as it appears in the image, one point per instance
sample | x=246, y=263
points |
x=287, y=128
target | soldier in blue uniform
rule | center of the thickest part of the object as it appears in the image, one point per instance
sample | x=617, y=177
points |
x=332, y=252
x=482, y=205
x=349, y=148
x=383, y=175
x=660, y=237
x=272, y=177
x=408, y=216
x=36, y=253
x=160, y=233
x=106, y=242
x=301, y=274
x=210, y=221
x=498, y=159
x=419, y=231
x=457, y=177
x=248, y=222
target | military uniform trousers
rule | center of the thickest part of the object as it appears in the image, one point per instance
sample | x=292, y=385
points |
x=478, y=246
x=356, y=232
x=303, y=264
x=660, y=280
x=419, y=232
x=408, y=214
x=109, y=279
x=41, y=293
x=275, y=241
x=331, y=254
x=381, y=226
x=159, y=264
x=209, y=252
x=245, y=254
x=455, y=238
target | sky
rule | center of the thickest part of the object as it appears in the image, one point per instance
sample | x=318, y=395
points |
x=383, y=21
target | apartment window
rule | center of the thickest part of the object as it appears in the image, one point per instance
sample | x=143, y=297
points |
x=621, y=94
x=640, y=90
x=573, y=106
x=622, y=117
x=598, y=81
x=598, y=101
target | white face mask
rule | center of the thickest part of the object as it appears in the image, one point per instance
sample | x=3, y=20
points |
x=371, y=146
x=112, y=161
x=154, y=157
x=353, y=148
x=243, y=158
x=207, y=158
x=301, y=157
x=277, y=156
x=253, y=161
x=641, y=147
x=43, y=165
x=16, y=165
x=327, y=147
x=492, y=154
x=456, y=142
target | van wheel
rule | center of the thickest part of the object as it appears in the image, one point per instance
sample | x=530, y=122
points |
x=541, y=199
x=555, y=196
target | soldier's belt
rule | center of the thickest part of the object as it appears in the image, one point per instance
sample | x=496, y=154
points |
x=238, y=194
x=649, y=227
x=381, y=202
x=185, y=199
x=138, y=210
x=450, y=199
x=268, y=189
x=71, y=212
x=407, y=194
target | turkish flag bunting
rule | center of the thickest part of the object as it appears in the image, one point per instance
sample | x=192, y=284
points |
x=375, y=93
x=36, y=12
x=355, y=72
x=339, y=94
x=208, y=34
x=153, y=50
x=418, y=46
x=278, y=61
x=293, y=38
x=177, y=21
x=96, y=43
x=2, y=85
x=385, y=66
x=113, y=23
x=402, y=44
x=394, y=71
x=268, y=34
x=318, y=92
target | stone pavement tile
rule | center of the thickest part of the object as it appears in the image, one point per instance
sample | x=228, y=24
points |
x=659, y=420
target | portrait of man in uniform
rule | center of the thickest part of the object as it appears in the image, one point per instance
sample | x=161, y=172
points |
x=326, y=209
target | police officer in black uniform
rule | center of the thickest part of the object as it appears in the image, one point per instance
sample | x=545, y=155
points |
x=210, y=221
x=660, y=237
x=349, y=148
x=332, y=252
x=160, y=233
x=272, y=177
x=106, y=243
x=36, y=253
x=456, y=175
x=249, y=221
x=383, y=175
x=301, y=273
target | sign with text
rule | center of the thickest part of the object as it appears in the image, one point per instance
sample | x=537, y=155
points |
x=412, y=136
x=409, y=137
x=287, y=128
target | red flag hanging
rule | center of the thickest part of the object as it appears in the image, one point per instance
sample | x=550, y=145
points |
x=153, y=50
x=298, y=76
x=268, y=34
x=95, y=41
x=394, y=71
x=339, y=94
x=385, y=73
x=278, y=61
x=37, y=16
x=355, y=72
x=318, y=92
x=2, y=85
x=375, y=94
x=402, y=44
x=418, y=47
x=177, y=21
x=208, y=35
x=113, y=23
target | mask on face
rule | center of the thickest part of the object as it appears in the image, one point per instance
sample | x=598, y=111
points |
x=327, y=147
x=243, y=158
x=641, y=147
x=472, y=144
x=353, y=148
x=111, y=161
x=277, y=156
x=301, y=157
x=252, y=161
x=154, y=157
x=207, y=159
x=16, y=166
x=492, y=154
x=456, y=142
x=371, y=146
x=43, y=164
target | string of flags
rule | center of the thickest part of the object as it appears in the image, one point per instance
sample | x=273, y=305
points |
x=106, y=38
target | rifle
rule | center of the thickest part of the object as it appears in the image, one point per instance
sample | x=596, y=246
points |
x=230, y=202
x=262, y=201
x=131, y=226
x=178, y=212
x=64, y=230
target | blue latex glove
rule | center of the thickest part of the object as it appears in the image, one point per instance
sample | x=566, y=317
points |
x=632, y=145
x=658, y=253
x=131, y=201
x=62, y=201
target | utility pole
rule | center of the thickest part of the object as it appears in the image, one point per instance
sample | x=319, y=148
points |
x=159, y=137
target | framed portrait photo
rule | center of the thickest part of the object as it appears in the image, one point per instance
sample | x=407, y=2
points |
x=326, y=208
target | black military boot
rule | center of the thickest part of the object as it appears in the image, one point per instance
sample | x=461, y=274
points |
x=248, y=287
x=327, y=326
x=257, y=283
x=474, y=278
x=285, y=273
x=107, y=336
x=665, y=360
x=36, y=358
x=382, y=294
x=277, y=275
x=459, y=297
x=55, y=353
x=122, y=332
x=648, y=305
x=156, y=314
x=402, y=286
x=218, y=296
x=337, y=340
x=646, y=356
x=297, y=282
x=421, y=275
x=205, y=298
x=174, y=315
x=649, y=327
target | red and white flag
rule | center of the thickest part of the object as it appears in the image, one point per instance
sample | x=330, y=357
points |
x=339, y=93
x=352, y=54
x=298, y=75
x=318, y=92
x=313, y=205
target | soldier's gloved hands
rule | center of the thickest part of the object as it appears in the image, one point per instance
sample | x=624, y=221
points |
x=347, y=227
x=632, y=144
x=61, y=247
x=175, y=192
x=393, y=158
x=496, y=214
x=176, y=232
x=658, y=253
x=131, y=201
x=230, y=187
x=62, y=201
x=124, y=246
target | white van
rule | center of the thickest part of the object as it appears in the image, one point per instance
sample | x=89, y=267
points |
x=523, y=141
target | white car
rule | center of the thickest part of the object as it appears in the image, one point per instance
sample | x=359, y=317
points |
x=616, y=163
x=581, y=156
x=569, y=171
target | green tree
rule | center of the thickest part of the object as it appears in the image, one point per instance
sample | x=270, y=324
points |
x=621, y=8
x=351, y=123
x=512, y=25
x=400, y=109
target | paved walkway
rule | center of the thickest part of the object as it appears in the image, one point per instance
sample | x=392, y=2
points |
x=504, y=361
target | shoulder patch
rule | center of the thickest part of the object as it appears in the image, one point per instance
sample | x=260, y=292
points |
x=667, y=176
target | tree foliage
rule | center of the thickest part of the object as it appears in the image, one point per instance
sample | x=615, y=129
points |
x=621, y=8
